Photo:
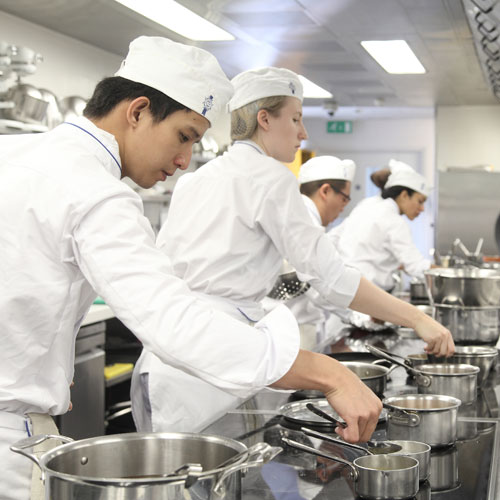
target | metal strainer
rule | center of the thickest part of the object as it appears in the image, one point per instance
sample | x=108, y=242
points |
x=288, y=285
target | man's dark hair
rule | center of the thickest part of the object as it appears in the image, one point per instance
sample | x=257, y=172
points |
x=394, y=191
x=309, y=188
x=115, y=89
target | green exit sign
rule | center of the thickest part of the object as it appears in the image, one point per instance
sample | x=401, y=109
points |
x=336, y=127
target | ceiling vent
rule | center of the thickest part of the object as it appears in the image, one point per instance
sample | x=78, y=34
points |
x=484, y=21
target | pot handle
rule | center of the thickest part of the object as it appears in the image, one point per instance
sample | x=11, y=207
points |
x=402, y=417
x=422, y=379
x=258, y=454
x=319, y=453
x=32, y=441
x=330, y=439
x=390, y=368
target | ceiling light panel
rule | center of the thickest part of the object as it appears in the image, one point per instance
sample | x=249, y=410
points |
x=395, y=56
x=178, y=18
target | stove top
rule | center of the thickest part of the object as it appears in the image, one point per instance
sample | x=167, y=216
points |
x=467, y=470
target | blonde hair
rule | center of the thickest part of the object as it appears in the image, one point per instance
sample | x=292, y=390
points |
x=244, y=119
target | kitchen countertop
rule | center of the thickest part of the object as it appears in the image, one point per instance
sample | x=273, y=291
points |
x=97, y=312
x=471, y=465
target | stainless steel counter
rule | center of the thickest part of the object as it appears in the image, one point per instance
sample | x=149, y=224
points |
x=467, y=470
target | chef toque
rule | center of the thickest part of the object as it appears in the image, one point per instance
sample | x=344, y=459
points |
x=255, y=84
x=326, y=168
x=395, y=165
x=407, y=177
x=190, y=75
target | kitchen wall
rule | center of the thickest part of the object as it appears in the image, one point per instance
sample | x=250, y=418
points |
x=468, y=136
x=69, y=68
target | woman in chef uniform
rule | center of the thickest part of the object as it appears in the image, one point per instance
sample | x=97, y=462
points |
x=325, y=185
x=70, y=229
x=229, y=226
x=375, y=237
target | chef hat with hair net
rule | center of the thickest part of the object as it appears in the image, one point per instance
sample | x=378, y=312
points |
x=256, y=84
x=189, y=75
x=326, y=168
x=395, y=165
x=404, y=175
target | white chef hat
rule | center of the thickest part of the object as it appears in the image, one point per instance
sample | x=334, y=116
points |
x=395, y=165
x=190, y=75
x=403, y=175
x=255, y=84
x=326, y=168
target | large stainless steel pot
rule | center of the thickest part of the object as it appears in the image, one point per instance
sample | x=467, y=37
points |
x=29, y=105
x=429, y=418
x=470, y=325
x=470, y=287
x=376, y=477
x=133, y=466
x=484, y=357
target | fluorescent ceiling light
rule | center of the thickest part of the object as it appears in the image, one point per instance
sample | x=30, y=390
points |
x=395, y=56
x=312, y=90
x=178, y=18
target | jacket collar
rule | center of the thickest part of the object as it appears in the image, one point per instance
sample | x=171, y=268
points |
x=106, y=146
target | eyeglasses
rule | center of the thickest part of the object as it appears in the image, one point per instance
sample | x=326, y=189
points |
x=345, y=197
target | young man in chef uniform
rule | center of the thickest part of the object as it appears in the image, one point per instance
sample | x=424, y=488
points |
x=229, y=226
x=325, y=184
x=70, y=230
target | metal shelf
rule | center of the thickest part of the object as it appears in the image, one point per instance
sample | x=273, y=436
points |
x=15, y=127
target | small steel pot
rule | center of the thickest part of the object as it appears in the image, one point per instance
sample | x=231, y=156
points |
x=376, y=476
x=484, y=357
x=374, y=375
x=415, y=449
x=458, y=381
x=418, y=450
x=429, y=418
x=139, y=465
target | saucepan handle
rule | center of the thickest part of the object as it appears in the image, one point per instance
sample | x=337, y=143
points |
x=20, y=446
x=319, y=453
x=258, y=454
x=422, y=378
x=402, y=417
x=330, y=439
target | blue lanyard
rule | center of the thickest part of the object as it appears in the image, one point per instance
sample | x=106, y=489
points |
x=92, y=135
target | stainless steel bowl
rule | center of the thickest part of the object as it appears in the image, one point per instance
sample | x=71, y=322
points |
x=470, y=287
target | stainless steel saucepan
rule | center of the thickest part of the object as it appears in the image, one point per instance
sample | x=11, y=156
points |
x=456, y=380
x=375, y=476
x=415, y=449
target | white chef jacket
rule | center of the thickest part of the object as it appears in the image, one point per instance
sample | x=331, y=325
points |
x=70, y=229
x=377, y=240
x=303, y=307
x=229, y=226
